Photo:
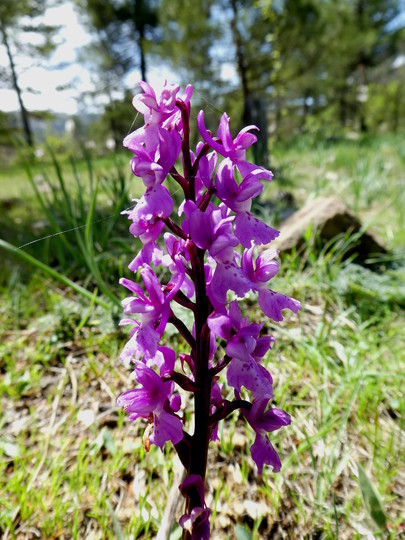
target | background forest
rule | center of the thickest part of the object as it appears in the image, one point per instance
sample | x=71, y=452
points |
x=306, y=66
x=325, y=82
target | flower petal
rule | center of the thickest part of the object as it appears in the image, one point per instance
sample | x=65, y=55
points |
x=263, y=452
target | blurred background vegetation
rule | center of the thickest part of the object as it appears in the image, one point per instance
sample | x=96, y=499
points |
x=306, y=66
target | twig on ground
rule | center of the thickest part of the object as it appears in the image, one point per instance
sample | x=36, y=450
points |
x=73, y=379
x=169, y=514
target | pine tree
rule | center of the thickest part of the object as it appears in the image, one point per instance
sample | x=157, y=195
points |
x=17, y=17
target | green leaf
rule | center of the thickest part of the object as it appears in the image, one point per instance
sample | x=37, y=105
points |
x=108, y=440
x=241, y=533
x=119, y=535
x=11, y=450
x=371, y=499
x=50, y=271
x=105, y=440
x=308, y=233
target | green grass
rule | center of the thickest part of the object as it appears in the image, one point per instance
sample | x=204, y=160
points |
x=368, y=174
x=71, y=464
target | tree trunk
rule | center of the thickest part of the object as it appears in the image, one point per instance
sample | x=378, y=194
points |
x=23, y=110
x=342, y=108
x=361, y=70
x=240, y=60
x=139, y=20
x=396, y=109
x=254, y=110
x=361, y=96
x=142, y=56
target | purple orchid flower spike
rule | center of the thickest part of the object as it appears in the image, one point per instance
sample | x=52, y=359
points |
x=204, y=259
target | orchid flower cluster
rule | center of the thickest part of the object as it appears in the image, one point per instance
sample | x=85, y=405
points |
x=208, y=259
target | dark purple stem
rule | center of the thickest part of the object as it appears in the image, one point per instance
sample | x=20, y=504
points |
x=172, y=226
x=179, y=179
x=182, y=299
x=228, y=408
x=182, y=380
x=204, y=150
x=185, y=146
x=182, y=328
x=221, y=365
x=203, y=378
x=206, y=198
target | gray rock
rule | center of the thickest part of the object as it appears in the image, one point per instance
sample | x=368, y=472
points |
x=330, y=217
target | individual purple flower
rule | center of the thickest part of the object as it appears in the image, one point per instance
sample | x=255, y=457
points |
x=211, y=230
x=154, y=204
x=154, y=309
x=235, y=149
x=263, y=422
x=245, y=348
x=150, y=253
x=265, y=266
x=197, y=523
x=239, y=199
x=174, y=122
x=153, y=163
x=156, y=110
x=271, y=302
x=147, y=224
x=176, y=261
x=131, y=350
x=153, y=398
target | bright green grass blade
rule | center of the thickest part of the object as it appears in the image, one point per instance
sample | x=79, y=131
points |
x=371, y=499
x=50, y=271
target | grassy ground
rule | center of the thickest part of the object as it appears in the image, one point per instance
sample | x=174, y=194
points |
x=72, y=465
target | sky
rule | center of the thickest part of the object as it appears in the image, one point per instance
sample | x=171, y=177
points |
x=46, y=80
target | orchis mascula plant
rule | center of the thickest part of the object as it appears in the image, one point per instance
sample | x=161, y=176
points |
x=207, y=274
